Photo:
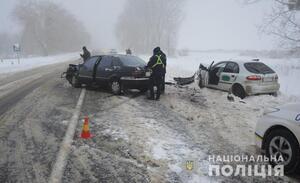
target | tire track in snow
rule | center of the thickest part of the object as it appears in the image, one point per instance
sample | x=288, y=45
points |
x=10, y=98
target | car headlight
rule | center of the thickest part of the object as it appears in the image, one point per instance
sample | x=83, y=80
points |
x=271, y=110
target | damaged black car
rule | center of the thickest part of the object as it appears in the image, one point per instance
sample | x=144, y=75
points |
x=118, y=72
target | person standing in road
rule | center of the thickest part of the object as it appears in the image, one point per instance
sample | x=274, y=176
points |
x=128, y=51
x=86, y=54
x=156, y=64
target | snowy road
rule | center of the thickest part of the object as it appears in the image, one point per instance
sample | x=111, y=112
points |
x=32, y=123
x=134, y=140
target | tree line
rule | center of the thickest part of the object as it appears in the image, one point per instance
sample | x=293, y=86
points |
x=145, y=24
x=46, y=28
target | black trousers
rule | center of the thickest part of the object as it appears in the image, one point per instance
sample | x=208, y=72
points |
x=155, y=80
x=163, y=83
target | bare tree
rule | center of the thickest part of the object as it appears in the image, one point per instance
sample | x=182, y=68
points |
x=48, y=28
x=283, y=22
x=145, y=24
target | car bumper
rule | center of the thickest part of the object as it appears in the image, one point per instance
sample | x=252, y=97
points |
x=261, y=89
x=135, y=83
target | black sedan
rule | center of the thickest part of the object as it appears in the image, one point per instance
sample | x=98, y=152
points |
x=119, y=72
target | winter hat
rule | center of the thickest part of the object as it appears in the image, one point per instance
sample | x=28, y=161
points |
x=156, y=50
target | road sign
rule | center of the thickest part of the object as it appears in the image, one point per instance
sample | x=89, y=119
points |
x=17, y=50
x=17, y=47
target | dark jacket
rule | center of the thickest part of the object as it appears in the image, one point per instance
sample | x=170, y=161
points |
x=86, y=54
x=164, y=59
x=157, y=69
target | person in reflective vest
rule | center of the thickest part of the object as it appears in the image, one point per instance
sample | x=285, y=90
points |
x=156, y=64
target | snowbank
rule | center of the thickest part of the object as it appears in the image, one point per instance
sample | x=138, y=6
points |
x=12, y=65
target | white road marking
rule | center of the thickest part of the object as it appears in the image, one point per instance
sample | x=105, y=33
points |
x=62, y=156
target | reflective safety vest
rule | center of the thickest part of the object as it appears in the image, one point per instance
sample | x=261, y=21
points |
x=158, y=61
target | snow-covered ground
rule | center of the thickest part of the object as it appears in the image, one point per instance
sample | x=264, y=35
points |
x=13, y=65
x=209, y=110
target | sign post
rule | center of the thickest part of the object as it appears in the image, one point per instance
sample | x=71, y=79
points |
x=17, y=50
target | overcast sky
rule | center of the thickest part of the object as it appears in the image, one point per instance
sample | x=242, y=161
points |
x=208, y=24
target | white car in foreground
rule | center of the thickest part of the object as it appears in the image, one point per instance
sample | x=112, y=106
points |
x=242, y=78
x=278, y=134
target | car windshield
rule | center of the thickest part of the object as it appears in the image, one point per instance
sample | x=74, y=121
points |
x=258, y=68
x=132, y=61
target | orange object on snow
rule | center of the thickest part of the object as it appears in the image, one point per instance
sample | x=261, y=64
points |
x=85, y=134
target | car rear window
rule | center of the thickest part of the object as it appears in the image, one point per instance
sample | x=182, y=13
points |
x=258, y=68
x=132, y=61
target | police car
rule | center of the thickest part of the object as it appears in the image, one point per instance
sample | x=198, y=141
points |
x=241, y=77
x=278, y=135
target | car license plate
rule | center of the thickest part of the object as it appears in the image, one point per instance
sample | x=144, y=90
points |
x=269, y=79
x=148, y=74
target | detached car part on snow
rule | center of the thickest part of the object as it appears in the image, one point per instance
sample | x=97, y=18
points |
x=184, y=81
x=242, y=78
x=119, y=72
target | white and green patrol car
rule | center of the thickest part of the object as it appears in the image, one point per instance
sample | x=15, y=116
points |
x=278, y=135
x=242, y=78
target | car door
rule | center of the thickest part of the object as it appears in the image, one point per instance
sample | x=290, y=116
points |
x=117, y=66
x=215, y=73
x=229, y=75
x=86, y=71
x=104, y=70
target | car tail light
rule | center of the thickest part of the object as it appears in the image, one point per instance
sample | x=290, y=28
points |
x=253, y=78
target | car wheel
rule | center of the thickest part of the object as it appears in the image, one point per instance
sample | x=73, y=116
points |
x=115, y=87
x=75, y=82
x=238, y=91
x=282, y=143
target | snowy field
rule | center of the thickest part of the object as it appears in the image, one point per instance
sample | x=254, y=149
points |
x=12, y=65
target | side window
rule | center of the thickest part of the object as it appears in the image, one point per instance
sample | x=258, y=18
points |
x=232, y=67
x=220, y=67
x=106, y=62
x=116, y=61
x=90, y=62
